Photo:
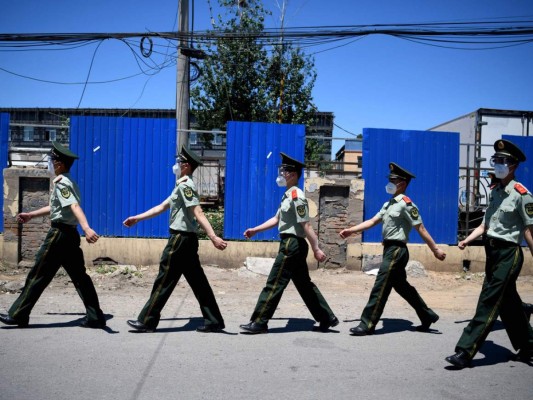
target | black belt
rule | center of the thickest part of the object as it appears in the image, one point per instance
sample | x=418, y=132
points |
x=289, y=235
x=62, y=226
x=184, y=233
x=499, y=243
x=397, y=243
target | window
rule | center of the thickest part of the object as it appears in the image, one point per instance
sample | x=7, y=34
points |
x=217, y=137
x=193, y=138
x=50, y=134
x=28, y=133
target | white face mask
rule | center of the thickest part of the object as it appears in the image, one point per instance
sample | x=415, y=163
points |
x=51, y=167
x=501, y=171
x=390, y=188
x=176, y=168
x=280, y=181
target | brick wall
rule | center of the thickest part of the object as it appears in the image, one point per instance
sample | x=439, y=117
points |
x=25, y=189
x=334, y=204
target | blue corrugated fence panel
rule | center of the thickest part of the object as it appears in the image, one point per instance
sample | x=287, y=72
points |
x=252, y=161
x=433, y=157
x=4, y=138
x=125, y=168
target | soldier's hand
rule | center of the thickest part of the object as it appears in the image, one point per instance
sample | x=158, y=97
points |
x=23, y=217
x=91, y=236
x=441, y=255
x=248, y=233
x=130, y=221
x=462, y=245
x=219, y=243
x=319, y=255
x=345, y=233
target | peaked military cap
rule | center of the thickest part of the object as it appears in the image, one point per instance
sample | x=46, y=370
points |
x=290, y=163
x=63, y=153
x=190, y=157
x=398, y=172
x=505, y=148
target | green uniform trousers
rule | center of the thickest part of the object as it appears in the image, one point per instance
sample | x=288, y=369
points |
x=180, y=257
x=392, y=275
x=499, y=297
x=290, y=264
x=61, y=247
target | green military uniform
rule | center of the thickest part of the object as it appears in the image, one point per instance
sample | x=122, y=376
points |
x=61, y=247
x=180, y=257
x=509, y=212
x=398, y=216
x=291, y=261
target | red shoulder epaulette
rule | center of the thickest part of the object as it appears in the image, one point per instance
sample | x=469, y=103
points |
x=520, y=189
x=407, y=200
x=294, y=194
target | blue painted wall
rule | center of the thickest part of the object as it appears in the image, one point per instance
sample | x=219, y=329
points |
x=434, y=158
x=252, y=161
x=125, y=168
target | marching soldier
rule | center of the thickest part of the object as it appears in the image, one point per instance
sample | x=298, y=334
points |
x=180, y=256
x=509, y=214
x=398, y=215
x=292, y=219
x=61, y=246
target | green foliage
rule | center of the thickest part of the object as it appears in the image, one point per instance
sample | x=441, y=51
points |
x=105, y=269
x=216, y=219
x=244, y=80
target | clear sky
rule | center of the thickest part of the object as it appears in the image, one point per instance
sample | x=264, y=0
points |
x=377, y=81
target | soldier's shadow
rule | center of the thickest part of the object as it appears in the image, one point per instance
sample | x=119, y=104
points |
x=66, y=324
x=395, y=325
x=294, y=325
x=493, y=354
x=190, y=325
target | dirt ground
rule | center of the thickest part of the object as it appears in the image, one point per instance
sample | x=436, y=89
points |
x=124, y=290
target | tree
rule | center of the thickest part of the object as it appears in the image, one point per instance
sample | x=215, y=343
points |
x=244, y=80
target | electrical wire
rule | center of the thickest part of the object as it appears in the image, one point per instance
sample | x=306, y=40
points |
x=89, y=73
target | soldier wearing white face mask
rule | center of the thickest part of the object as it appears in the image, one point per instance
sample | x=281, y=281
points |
x=508, y=216
x=292, y=219
x=180, y=256
x=398, y=216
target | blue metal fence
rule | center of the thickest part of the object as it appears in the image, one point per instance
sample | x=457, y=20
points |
x=4, y=138
x=125, y=168
x=252, y=160
x=524, y=173
x=434, y=158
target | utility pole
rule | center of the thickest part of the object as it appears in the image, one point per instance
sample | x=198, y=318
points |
x=182, y=78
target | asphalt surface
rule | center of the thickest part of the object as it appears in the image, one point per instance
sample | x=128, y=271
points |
x=55, y=359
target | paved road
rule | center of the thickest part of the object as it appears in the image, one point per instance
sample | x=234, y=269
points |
x=55, y=359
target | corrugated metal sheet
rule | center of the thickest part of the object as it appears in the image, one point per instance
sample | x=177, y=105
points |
x=4, y=138
x=125, y=168
x=252, y=161
x=434, y=158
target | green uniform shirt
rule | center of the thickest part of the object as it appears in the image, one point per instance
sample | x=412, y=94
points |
x=510, y=210
x=292, y=211
x=398, y=215
x=64, y=193
x=182, y=197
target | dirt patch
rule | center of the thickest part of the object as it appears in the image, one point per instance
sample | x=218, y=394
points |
x=452, y=292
